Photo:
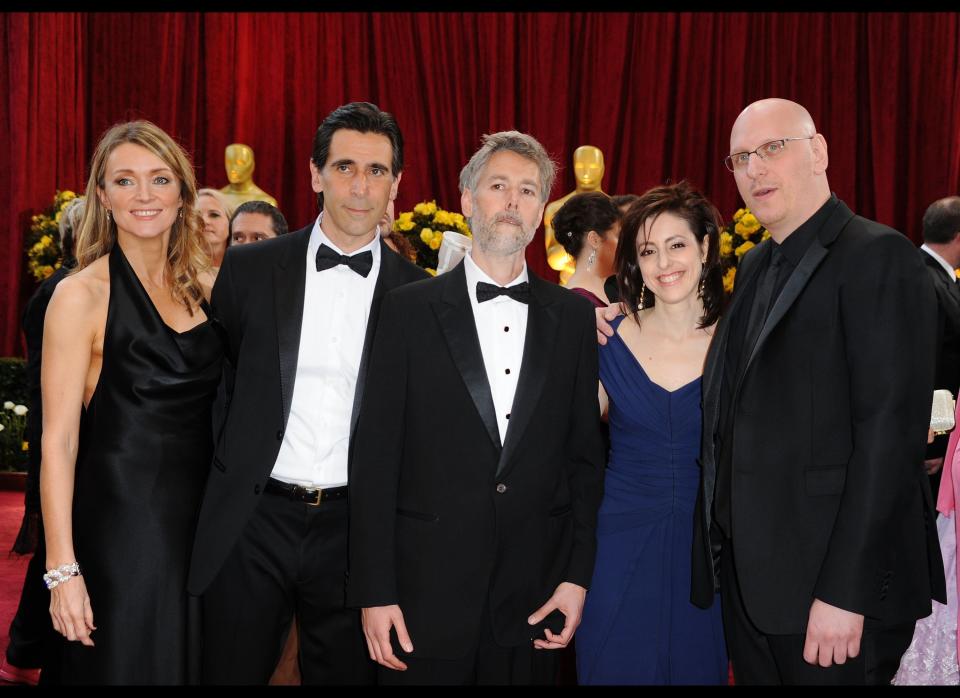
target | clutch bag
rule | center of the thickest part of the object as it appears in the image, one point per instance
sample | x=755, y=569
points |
x=942, y=414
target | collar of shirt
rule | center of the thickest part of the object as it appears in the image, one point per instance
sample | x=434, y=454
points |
x=475, y=274
x=318, y=237
x=951, y=272
x=798, y=242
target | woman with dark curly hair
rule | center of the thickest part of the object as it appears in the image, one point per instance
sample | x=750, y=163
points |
x=639, y=626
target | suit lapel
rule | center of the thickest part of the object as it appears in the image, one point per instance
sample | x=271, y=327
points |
x=714, y=365
x=459, y=327
x=539, y=341
x=801, y=275
x=942, y=279
x=289, y=280
x=388, y=278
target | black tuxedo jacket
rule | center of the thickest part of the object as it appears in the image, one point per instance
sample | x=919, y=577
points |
x=830, y=416
x=947, y=374
x=258, y=301
x=443, y=518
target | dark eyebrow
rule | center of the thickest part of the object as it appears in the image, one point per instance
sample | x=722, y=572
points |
x=670, y=239
x=348, y=161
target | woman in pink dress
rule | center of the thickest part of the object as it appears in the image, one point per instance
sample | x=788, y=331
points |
x=931, y=658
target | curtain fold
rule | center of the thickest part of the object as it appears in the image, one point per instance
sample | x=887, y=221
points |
x=656, y=92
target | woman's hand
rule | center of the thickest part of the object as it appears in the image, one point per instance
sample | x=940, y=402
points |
x=71, y=611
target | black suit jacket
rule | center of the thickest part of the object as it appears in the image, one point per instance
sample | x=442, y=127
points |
x=442, y=518
x=830, y=415
x=258, y=301
x=947, y=374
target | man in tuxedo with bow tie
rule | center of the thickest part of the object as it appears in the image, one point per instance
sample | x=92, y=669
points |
x=940, y=253
x=298, y=314
x=478, y=468
x=817, y=392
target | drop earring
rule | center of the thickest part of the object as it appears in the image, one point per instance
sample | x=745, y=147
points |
x=592, y=259
x=643, y=292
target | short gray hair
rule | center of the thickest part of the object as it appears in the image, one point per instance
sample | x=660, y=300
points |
x=523, y=145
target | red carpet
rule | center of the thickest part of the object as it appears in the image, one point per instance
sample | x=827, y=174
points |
x=12, y=566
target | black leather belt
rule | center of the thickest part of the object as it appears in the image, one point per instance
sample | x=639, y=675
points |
x=310, y=495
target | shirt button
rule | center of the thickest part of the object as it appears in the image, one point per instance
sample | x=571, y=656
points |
x=506, y=329
x=507, y=371
x=501, y=488
x=508, y=415
x=334, y=340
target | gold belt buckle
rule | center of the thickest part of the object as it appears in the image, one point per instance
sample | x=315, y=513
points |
x=319, y=491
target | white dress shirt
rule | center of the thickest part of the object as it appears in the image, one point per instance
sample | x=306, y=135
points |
x=501, y=327
x=951, y=272
x=336, y=305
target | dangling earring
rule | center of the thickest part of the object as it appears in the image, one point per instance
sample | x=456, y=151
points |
x=109, y=215
x=181, y=212
x=703, y=282
x=592, y=259
x=643, y=292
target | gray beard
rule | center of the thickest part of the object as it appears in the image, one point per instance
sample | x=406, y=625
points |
x=504, y=246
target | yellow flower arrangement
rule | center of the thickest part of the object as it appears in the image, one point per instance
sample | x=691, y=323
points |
x=736, y=239
x=424, y=227
x=44, y=255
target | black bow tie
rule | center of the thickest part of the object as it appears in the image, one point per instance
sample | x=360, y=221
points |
x=518, y=292
x=361, y=263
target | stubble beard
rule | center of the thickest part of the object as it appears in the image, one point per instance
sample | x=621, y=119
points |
x=493, y=244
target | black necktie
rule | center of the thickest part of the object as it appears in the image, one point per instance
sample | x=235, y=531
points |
x=763, y=300
x=361, y=263
x=518, y=292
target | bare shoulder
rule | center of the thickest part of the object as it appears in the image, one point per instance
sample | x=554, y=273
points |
x=207, y=278
x=81, y=298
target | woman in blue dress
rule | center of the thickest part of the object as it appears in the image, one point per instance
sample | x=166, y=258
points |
x=639, y=626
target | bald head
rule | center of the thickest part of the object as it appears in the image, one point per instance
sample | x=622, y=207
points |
x=787, y=185
x=779, y=113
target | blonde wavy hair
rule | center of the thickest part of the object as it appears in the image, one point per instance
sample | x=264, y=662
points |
x=186, y=257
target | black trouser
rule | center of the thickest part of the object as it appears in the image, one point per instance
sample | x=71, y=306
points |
x=291, y=557
x=486, y=664
x=31, y=631
x=763, y=659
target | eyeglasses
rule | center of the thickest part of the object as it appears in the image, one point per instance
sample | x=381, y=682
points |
x=767, y=151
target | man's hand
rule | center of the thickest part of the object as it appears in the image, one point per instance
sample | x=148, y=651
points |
x=377, y=622
x=604, y=317
x=933, y=465
x=833, y=635
x=568, y=598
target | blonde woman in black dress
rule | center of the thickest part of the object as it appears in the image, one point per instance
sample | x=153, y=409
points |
x=130, y=370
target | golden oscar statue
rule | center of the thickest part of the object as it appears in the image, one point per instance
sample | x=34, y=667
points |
x=588, y=170
x=238, y=159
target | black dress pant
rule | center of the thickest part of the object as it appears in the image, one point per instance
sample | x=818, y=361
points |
x=487, y=664
x=291, y=557
x=761, y=659
x=31, y=632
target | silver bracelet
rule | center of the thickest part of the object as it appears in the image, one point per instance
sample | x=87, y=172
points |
x=62, y=574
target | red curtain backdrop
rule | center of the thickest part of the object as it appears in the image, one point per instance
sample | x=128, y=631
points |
x=656, y=92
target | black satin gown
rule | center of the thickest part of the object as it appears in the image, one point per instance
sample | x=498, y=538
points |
x=144, y=452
